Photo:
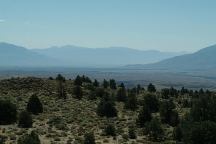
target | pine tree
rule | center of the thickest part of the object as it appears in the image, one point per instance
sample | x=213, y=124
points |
x=96, y=83
x=131, y=102
x=34, y=105
x=105, y=84
x=154, y=129
x=78, y=81
x=112, y=84
x=121, y=95
x=61, y=90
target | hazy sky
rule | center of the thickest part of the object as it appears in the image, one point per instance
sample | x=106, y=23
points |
x=166, y=25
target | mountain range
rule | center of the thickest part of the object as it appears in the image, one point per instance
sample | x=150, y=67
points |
x=73, y=56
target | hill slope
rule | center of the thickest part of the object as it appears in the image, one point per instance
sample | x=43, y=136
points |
x=201, y=60
x=12, y=55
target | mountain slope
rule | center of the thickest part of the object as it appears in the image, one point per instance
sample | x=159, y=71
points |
x=102, y=57
x=12, y=55
x=201, y=60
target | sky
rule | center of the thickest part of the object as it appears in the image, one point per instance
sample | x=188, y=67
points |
x=165, y=25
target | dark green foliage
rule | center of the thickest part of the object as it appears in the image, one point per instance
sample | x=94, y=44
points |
x=106, y=107
x=92, y=95
x=32, y=138
x=204, y=109
x=61, y=90
x=132, y=132
x=50, y=78
x=154, y=129
x=121, y=95
x=174, y=118
x=131, y=102
x=138, y=88
x=199, y=127
x=151, y=88
x=122, y=85
x=184, y=91
x=110, y=130
x=60, y=78
x=86, y=79
x=78, y=81
x=200, y=133
x=112, y=84
x=151, y=102
x=8, y=112
x=177, y=133
x=100, y=92
x=96, y=83
x=144, y=116
x=168, y=114
x=25, y=120
x=105, y=84
x=165, y=93
x=89, y=138
x=3, y=139
x=77, y=90
x=34, y=105
x=173, y=92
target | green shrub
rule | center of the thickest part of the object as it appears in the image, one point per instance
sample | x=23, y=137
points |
x=25, y=120
x=132, y=132
x=89, y=138
x=110, y=130
x=32, y=138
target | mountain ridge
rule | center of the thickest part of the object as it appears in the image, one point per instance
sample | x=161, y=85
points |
x=200, y=60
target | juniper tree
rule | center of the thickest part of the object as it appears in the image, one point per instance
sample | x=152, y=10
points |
x=151, y=102
x=34, y=105
x=60, y=78
x=106, y=107
x=144, y=116
x=151, y=88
